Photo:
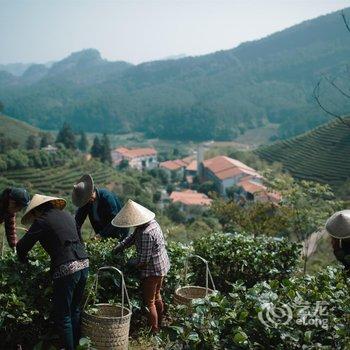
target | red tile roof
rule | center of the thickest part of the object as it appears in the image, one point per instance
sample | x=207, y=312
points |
x=192, y=166
x=176, y=164
x=259, y=191
x=224, y=167
x=189, y=197
x=188, y=159
x=136, y=152
x=252, y=187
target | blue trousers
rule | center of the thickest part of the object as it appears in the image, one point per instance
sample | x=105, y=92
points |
x=68, y=292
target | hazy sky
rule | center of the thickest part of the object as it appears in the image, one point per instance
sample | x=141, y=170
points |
x=143, y=30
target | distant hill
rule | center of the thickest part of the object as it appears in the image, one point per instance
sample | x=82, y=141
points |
x=16, y=130
x=321, y=154
x=216, y=96
x=16, y=69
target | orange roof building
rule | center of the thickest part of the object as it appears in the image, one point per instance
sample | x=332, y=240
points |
x=259, y=191
x=190, y=198
x=227, y=172
x=188, y=159
x=173, y=165
x=138, y=158
x=192, y=167
x=136, y=152
x=223, y=167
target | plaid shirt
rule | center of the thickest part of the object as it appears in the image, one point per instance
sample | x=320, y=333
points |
x=150, y=247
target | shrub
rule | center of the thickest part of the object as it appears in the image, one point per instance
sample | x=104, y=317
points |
x=232, y=321
x=26, y=291
x=234, y=257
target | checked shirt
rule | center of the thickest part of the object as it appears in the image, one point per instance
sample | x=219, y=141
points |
x=150, y=248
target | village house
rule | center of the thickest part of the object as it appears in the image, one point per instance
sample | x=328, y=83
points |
x=191, y=171
x=138, y=158
x=190, y=199
x=176, y=169
x=251, y=190
x=226, y=172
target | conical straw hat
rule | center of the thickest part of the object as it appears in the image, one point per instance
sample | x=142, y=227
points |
x=132, y=214
x=83, y=190
x=338, y=225
x=37, y=200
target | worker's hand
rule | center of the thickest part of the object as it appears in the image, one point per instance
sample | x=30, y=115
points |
x=133, y=263
x=97, y=237
x=117, y=250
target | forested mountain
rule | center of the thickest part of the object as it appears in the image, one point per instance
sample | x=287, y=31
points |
x=212, y=96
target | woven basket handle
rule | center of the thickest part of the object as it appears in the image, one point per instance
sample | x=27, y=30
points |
x=123, y=288
x=207, y=272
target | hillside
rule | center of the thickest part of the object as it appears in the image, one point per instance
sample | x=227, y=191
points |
x=17, y=130
x=216, y=96
x=45, y=180
x=321, y=154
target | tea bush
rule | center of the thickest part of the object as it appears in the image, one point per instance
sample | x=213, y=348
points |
x=234, y=257
x=25, y=289
x=299, y=321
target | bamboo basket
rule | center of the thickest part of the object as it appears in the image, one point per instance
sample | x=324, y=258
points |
x=185, y=295
x=109, y=327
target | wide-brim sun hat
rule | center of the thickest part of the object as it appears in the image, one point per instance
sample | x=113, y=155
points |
x=132, y=214
x=37, y=200
x=338, y=225
x=83, y=190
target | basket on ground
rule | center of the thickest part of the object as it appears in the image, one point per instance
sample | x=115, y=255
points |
x=185, y=295
x=108, y=326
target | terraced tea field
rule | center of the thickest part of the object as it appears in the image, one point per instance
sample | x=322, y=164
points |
x=58, y=181
x=322, y=154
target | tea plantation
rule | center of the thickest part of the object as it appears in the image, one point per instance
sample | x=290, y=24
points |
x=58, y=181
x=320, y=155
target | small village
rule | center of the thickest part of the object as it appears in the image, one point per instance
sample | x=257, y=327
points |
x=230, y=177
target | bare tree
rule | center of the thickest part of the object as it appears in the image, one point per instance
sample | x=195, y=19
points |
x=332, y=82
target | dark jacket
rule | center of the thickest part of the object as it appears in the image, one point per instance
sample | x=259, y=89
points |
x=8, y=219
x=341, y=249
x=107, y=208
x=57, y=232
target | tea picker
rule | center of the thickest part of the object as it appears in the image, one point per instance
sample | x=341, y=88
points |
x=12, y=200
x=56, y=231
x=152, y=258
x=338, y=227
x=99, y=204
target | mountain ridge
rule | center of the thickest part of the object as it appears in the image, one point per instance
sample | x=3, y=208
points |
x=213, y=96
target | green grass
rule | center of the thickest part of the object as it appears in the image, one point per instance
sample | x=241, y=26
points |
x=16, y=130
x=320, y=155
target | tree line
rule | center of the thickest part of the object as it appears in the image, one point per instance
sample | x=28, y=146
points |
x=67, y=138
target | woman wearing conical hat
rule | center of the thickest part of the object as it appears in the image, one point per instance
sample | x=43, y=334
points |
x=57, y=232
x=152, y=258
x=338, y=226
